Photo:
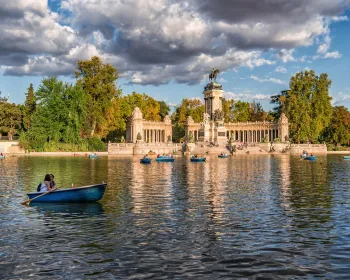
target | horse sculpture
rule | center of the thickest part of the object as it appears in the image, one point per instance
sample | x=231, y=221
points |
x=214, y=73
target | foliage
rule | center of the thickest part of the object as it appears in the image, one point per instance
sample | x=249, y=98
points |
x=164, y=109
x=96, y=144
x=338, y=131
x=188, y=107
x=10, y=118
x=98, y=82
x=257, y=113
x=59, y=116
x=241, y=111
x=228, y=109
x=29, y=107
x=307, y=106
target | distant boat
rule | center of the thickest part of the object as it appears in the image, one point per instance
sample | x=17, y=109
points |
x=347, y=157
x=197, y=159
x=146, y=160
x=2, y=157
x=93, y=156
x=223, y=156
x=303, y=156
x=80, y=194
x=165, y=159
x=313, y=158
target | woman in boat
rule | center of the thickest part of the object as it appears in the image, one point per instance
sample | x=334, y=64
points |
x=45, y=186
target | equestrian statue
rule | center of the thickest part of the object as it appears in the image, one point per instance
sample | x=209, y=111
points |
x=214, y=73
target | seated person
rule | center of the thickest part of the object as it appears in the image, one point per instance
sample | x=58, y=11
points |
x=52, y=183
x=45, y=185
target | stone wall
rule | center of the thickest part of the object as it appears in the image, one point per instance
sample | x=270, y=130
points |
x=142, y=148
x=310, y=148
x=11, y=147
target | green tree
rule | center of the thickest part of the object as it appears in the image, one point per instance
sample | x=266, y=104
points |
x=10, y=118
x=188, y=107
x=241, y=111
x=257, y=113
x=338, y=131
x=59, y=117
x=307, y=106
x=164, y=109
x=98, y=81
x=29, y=107
x=228, y=109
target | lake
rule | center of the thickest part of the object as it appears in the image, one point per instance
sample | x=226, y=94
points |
x=250, y=217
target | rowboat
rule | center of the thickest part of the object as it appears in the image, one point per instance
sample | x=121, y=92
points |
x=79, y=194
x=2, y=157
x=347, y=157
x=198, y=159
x=303, y=156
x=223, y=156
x=146, y=160
x=165, y=159
x=93, y=156
x=313, y=158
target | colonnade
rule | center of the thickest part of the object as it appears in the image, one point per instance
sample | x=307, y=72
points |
x=254, y=136
x=154, y=135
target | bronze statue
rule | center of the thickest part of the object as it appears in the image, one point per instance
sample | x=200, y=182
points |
x=218, y=115
x=214, y=73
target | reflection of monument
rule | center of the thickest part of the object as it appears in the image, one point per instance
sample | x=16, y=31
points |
x=213, y=129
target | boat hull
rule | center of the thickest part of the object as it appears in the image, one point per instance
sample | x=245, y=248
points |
x=2, y=157
x=347, y=157
x=146, y=160
x=93, y=156
x=163, y=159
x=198, y=159
x=313, y=158
x=80, y=194
x=222, y=156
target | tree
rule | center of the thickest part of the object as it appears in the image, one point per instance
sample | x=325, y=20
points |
x=338, y=131
x=164, y=109
x=10, y=118
x=29, y=107
x=241, y=111
x=306, y=105
x=188, y=107
x=98, y=82
x=228, y=109
x=257, y=113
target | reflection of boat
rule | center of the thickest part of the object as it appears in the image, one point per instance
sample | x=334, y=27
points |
x=146, y=160
x=198, y=159
x=2, y=157
x=90, y=208
x=223, y=156
x=313, y=158
x=347, y=157
x=80, y=194
x=93, y=156
x=165, y=159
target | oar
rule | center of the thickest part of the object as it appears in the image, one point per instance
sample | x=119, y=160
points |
x=30, y=200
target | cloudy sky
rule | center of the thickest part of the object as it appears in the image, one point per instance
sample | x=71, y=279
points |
x=166, y=48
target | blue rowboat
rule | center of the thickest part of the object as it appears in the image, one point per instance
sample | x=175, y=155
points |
x=313, y=158
x=198, y=159
x=223, y=156
x=346, y=157
x=93, y=156
x=303, y=156
x=80, y=194
x=2, y=157
x=146, y=160
x=164, y=159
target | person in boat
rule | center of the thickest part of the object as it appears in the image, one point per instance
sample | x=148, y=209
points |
x=311, y=155
x=45, y=185
x=196, y=156
x=52, y=183
x=1, y=154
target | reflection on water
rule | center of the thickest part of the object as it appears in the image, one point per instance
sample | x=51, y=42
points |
x=243, y=217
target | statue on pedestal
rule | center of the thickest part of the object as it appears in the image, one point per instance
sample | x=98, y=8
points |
x=214, y=73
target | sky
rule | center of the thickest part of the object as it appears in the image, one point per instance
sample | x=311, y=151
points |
x=166, y=48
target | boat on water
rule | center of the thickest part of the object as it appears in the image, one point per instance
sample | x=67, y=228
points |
x=197, y=159
x=145, y=160
x=80, y=194
x=93, y=156
x=2, y=157
x=347, y=157
x=313, y=158
x=223, y=156
x=165, y=159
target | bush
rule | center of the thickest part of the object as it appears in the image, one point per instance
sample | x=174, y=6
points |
x=96, y=144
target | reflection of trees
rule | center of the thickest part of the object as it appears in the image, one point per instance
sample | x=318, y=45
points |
x=310, y=193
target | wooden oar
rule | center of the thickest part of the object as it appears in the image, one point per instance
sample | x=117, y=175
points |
x=30, y=200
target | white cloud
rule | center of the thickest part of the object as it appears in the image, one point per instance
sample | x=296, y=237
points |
x=286, y=55
x=222, y=80
x=281, y=69
x=335, y=54
x=340, y=98
x=271, y=80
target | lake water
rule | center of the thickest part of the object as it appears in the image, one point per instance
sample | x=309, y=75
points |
x=251, y=217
